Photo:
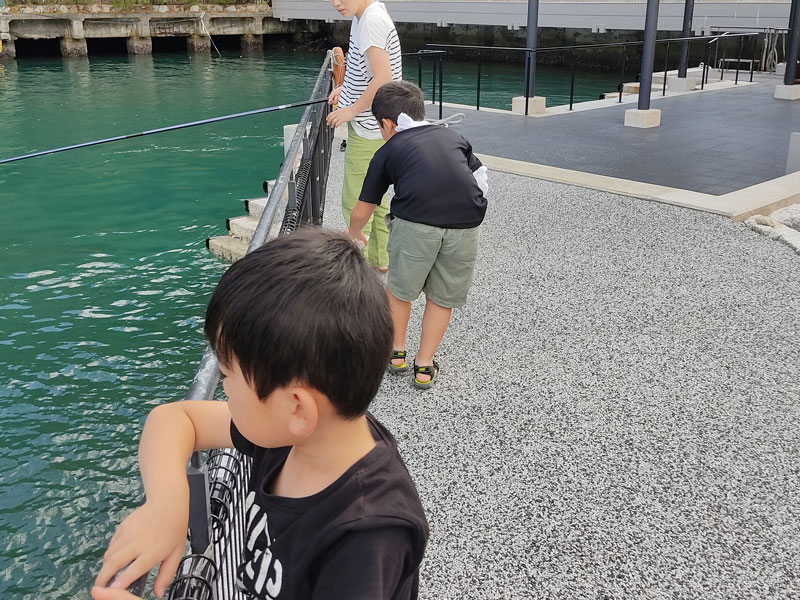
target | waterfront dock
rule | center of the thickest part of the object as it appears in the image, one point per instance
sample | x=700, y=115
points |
x=618, y=414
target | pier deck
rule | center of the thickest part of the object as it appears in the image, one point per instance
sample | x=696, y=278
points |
x=712, y=142
x=618, y=413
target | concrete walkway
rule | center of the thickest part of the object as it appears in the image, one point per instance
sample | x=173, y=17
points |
x=713, y=142
x=618, y=414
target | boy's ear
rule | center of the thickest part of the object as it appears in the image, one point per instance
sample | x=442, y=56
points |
x=389, y=125
x=304, y=413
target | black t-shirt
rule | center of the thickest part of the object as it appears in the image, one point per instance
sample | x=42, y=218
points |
x=431, y=168
x=362, y=537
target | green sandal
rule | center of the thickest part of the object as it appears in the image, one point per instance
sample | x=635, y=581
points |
x=398, y=354
x=431, y=371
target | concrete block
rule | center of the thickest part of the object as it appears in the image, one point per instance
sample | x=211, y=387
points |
x=536, y=105
x=73, y=48
x=198, y=44
x=140, y=45
x=249, y=41
x=682, y=84
x=787, y=92
x=793, y=158
x=642, y=119
x=8, y=51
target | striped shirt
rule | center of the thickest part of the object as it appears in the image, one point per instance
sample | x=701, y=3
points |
x=374, y=28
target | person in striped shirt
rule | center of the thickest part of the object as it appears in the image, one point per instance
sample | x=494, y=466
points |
x=373, y=58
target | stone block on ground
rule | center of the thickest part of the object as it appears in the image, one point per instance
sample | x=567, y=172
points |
x=789, y=216
x=642, y=119
x=536, y=105
x=787, y=92
x=775, y=230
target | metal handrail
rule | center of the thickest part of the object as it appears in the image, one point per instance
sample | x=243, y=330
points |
x=217, y=487
x=434, y=54
x=531, y=54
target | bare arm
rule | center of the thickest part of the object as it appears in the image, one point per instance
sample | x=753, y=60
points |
x=381, y=73
x=156, y=532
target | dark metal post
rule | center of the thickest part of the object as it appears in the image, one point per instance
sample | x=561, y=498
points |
x=739, y=59
x=704, y=74
x=433, y=97
x=572, y=82
x=478, y=99
x=753, y=58
x=419, y=72
x=527, y=79
x=648, y=54
x=724, y=62
x=199, y=505
x=688, y=13
x=666, y=66
x=793, y=47
x=531, y=41
x=441, y=84
x=622, y=75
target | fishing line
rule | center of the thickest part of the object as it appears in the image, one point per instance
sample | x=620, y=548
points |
x=117, y=138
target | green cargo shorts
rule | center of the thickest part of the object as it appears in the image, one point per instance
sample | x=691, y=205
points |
x=434, y=260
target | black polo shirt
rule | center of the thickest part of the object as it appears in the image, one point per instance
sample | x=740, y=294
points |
x=431, y=169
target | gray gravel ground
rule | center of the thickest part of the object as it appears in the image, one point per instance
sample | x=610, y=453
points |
x=618, y=412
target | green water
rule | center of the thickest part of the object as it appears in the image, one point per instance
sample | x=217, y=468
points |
x=104, y=274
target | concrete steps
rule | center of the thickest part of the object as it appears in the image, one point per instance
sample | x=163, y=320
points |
x=233, y=246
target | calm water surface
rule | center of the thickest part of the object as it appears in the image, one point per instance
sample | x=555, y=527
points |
x=104, y=275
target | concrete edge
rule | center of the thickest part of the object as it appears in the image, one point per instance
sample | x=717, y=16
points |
x=615, y=185
x=763, y=198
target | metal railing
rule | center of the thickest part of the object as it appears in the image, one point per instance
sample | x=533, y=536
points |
x=437, y=57
x=571, y=51
x=218, y=486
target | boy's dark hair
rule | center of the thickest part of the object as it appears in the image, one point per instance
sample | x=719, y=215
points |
x=397, y=97
x=304, y=308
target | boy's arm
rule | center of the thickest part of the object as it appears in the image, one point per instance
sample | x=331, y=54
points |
x=378, y=59
x=362, y=212
x=156, y=532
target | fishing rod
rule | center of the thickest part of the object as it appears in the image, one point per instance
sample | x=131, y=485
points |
x=257, y=111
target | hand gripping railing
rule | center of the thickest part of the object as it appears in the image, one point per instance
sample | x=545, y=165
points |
x=217, y=521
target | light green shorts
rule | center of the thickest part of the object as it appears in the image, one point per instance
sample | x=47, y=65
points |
x=434, y=260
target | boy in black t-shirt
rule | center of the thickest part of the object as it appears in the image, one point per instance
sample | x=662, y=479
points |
x=302, y=330
x=438, y=204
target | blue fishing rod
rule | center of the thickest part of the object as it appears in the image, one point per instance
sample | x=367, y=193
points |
x=129, y=136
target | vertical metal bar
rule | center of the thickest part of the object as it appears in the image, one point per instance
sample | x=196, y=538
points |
x=648, y=54
x=724, y=61
x=666, y=63
x=793, y=47
x=419, y=72
x=683, y=62
x=532, y=31
x=739, y=59
x=433, y=73
x=527, y=79
x=199, y=504
x=622, y=75
x=704, y=74
x=572, y=82
x=441, y=84
x=478, y=98
x=716, y=53
x=753, y=58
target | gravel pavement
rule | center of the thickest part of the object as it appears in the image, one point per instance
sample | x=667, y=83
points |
x=618, y=412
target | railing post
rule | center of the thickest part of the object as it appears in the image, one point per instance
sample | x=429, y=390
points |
x=419, y=71
x=724, y=61
x=527, y=78
x=433, y=96
x=441, y=84
x=666, y=66
x=753, y=58
x=572, y=82
x=478, y=98
x=199, y=505
x=739, y=59
x=704, y=74
x=622, y=75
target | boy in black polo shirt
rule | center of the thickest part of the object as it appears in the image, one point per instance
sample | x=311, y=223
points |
x=439, y=203
x=332, y=512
